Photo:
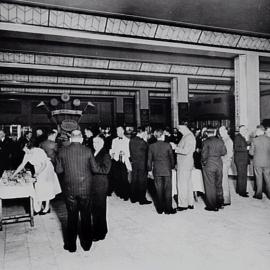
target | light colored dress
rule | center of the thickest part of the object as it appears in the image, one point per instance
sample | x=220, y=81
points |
x=47, y=184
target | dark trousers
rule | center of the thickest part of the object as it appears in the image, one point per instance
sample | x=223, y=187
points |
x=120, y=179
x=76, y=205
x=241, y=184
x=163, y=186
x=138, y=183
x=262, y=173
x=99, y=207
x=212, y=177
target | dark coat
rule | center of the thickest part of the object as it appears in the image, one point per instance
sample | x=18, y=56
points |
x=240, y=149
x=77, y=164
x=5, y=154
x=160, y=159
x=212, y=150
x=104, y=162
x=138, y=152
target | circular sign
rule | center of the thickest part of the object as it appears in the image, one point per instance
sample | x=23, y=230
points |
x=54, y=102
x=69, y=125
x=65, y=97
x=76, y=102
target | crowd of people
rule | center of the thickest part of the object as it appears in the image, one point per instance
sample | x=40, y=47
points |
x=88, y=167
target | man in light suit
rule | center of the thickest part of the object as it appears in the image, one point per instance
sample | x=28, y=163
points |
x=260, y=150
x=161, y=163
x=77, y=164
x=185, y=163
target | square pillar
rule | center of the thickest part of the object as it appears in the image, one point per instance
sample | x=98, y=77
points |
x=179, y=99
x=120, y=117
x=144, y=107
x=247, y=91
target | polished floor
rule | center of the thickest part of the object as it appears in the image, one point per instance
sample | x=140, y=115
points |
x=237, y=237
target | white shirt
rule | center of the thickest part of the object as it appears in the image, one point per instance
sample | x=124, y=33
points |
x=121, y=145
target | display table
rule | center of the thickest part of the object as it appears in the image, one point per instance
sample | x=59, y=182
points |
x=21, y=187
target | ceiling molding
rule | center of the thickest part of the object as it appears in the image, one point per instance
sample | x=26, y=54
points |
x=106, y=25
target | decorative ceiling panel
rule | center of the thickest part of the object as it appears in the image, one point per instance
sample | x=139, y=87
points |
x=23, y=14
x=124, y=65
x=126, y=83
x=193, y=86
x=210, y=71
x=58, y=91
x=223, y=87
x=163, y=85
x=177, y=33
x=90, y=63
x=144, y=84
x=97, y=82
x=177, y=69
x=130, y=28
x=228, y=72
x=218, y=38
x=42, y=79
x=53, y=60
x=14, y=77
x=77, y=21
x=12, y=89
x=70, y=80
x=25, y=58
x=150, y=67
x=254, y=43
x=159, y=94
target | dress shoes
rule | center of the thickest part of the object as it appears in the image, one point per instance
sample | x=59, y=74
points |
x=70, y=248
x=257, y=197
x=181, y=208
x=160, y=212
x=191, y=207
x=171, y=212
x=42, y=213
x=145, y=202
x=226, y=204
x=245, y=195
x=36, y=213
x=86, y=246
x=211, y=209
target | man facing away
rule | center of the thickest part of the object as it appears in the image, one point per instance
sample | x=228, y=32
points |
x=161, y=163
x=226, y=160
x=77, y=163
x=185, y=163
x=138, y=155
x=241, y=160
x=260, y=150
x=212, y=151
x=50, y=146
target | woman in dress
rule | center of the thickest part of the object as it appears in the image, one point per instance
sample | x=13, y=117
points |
x=99, y=189
x=47, y=184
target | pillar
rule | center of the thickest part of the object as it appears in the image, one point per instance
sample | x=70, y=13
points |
x=247, y=91
x=138, y=112
x=144, y=107
x=179, y=99
x=120, y=118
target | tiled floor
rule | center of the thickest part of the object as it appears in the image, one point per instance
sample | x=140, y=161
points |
x=237, y=237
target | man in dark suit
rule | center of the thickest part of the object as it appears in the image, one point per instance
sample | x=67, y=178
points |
x=77, y=163
x=260, y=150
x=241, y=160
x=138, y=155
x=212, y=150
x=161, y=163
x=5, y=152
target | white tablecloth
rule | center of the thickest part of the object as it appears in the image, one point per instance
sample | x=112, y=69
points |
x=17, y=191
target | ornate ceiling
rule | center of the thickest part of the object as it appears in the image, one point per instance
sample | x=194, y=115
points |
x=48, y=49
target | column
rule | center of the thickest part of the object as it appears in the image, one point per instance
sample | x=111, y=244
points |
x=120, y=118
x=247, y=91
x=179, y=99
x=138, y=113
x=144, y=107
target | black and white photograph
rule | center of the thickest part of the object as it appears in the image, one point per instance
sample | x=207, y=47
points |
x=134, y=135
